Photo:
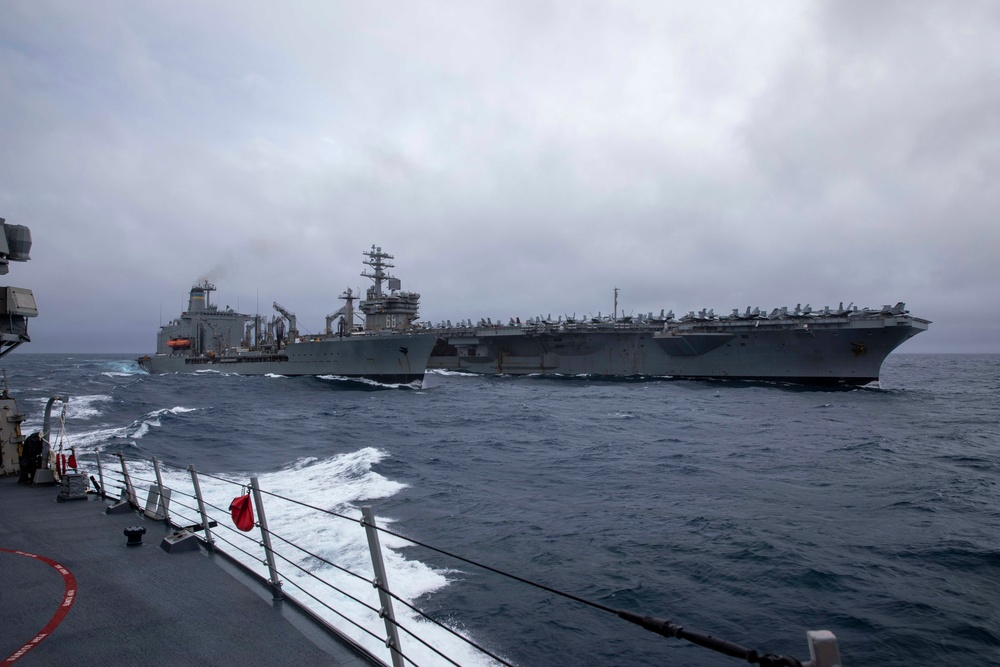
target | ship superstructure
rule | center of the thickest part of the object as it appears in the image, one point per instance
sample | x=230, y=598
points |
x=203, y=328
x=206, y=337
x=393, y=309
x=17, y=305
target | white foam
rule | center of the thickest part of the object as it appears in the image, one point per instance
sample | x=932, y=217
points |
x=78, y=407
x=86, y=407
x=416, y=384
x=85, y=442
x=339, y=484
x=141, y=426
x=448, y=373
x=103, y=438
x=123, y=368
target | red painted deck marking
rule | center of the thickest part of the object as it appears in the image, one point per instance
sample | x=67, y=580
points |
x=68, y=597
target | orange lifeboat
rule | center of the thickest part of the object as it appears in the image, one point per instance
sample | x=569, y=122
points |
x=179, y=343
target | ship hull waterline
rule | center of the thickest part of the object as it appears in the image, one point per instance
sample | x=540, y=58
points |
x=392, y=359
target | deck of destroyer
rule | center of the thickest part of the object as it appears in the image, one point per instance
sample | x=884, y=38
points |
x=135, y=605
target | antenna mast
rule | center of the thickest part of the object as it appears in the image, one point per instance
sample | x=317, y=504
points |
x=376, y=260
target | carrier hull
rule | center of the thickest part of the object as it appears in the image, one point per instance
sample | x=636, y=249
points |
x=820, y=350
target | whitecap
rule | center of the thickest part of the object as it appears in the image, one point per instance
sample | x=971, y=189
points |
x=77, y=407
x=450, y=373
x=123, y=368
x=141, y=426
x=416, y=384
x=337, y=484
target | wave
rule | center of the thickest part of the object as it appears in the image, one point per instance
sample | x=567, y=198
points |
x=122, y=368
x=107, y=437
x=448, y=373
x=373, y=384
x=141, y=426
x=339, y=484
x=77, y=407
x=88, y=442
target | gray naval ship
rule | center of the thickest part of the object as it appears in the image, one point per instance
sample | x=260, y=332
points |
x=832, y=346
x=385, y=349
x=842, y=346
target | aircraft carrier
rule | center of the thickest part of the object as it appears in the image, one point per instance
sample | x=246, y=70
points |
x=831, y=346
x=387, y=349
x=842, y=346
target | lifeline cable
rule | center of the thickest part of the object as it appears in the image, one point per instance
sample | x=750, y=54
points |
x=370, y=608
x=659, y=626
x=646, y=622
x=662, y=627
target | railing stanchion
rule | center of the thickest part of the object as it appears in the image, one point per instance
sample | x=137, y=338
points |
x=129, y=489
x=159, y=489
x=201, y=508
x=100, y=476
x=266, y=540
x=382, y=583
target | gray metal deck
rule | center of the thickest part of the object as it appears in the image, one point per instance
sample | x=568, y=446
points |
x=137, y=605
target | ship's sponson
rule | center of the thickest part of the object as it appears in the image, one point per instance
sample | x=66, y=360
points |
x=842, y=346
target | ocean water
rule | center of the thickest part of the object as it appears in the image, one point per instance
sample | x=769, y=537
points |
x=752, y=512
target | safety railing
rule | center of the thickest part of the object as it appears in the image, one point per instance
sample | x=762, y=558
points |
x=372, y=625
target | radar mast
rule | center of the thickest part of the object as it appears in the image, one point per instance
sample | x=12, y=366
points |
x=394, y=309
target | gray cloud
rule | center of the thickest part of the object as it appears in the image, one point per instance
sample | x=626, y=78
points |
x=517, y=158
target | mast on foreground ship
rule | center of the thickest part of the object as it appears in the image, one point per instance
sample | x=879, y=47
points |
x=387, y=349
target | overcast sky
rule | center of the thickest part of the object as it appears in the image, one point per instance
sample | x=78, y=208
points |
x=517, y=158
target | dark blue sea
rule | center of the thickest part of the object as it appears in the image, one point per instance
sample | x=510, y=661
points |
x=752, y=512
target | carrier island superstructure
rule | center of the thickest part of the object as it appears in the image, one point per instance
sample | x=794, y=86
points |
x=386, y=349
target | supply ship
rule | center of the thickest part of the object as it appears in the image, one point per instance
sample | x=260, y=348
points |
x=386, y=349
